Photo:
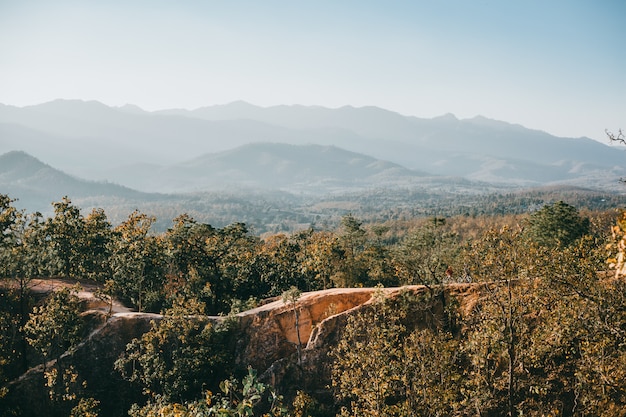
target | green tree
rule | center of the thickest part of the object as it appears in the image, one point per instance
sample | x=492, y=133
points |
x=503, y=262
x=352, y=240
x=138, y=262
x=282, y=268
x=25, y=257
x=377, y=257
x=10, y=221
x=180, y=355
x=55, y=326
x=320, y=260
x=423, y=256
x=192, y=271
x=95, y=247
x=66, y=232
x=431, y=373
x=557, y=225
x=291, y=297
x=386, y=363
x=366, y=362
x=235, y=399
x=66, y=393
x=234, y=252
x=9, y=216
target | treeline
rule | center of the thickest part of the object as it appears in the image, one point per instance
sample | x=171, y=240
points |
x=546, y=336
x=266, y=212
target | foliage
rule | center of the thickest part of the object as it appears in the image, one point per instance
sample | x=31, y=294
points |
x=66, y=390
x=8, y=217
x=191, y=271
x=96, y=246
x=291, y=297
x=352, y=240
x=236, y=399
x=557, y=225
x=138, y=262
x=180, y=354
x=65, y=231
x=106, y=293
x=424, y=254
x=384, y=364
x=543, y=335
x=55, y=326
x=86, y=407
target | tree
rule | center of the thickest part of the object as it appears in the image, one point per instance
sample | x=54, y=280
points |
x=618, y=137
x=25, y=256
x=557, y=225
x=234, y=253
x=95, y=247
x=192, y=272
x=395, y=357
x=425, y=253
x=503, y=262
x=378, y=260
x=320, y=260
x=56, y=326
x=366, y=362
x=65, y=391
x=66, y=232
x=106, y=293
x=9, y=215
x=138, y=262
x=10, y=221
x=291, y=297
x=181, y=355
x=352, y=241
x=235, y=399
x=432, y=371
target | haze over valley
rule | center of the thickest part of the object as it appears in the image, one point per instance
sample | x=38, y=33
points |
x=124, y=156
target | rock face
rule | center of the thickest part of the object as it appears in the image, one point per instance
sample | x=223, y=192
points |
x=267, y=340
x=269, y=331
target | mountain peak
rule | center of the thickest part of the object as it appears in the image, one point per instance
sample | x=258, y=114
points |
x=16, y=156
x=131, y=108
x=448, y=117
x=14, y=162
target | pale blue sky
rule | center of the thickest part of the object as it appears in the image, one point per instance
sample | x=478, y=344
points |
x=554, y=65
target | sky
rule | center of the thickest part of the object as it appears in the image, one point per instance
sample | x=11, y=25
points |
x=552, y=65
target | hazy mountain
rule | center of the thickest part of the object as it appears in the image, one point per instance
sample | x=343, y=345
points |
x=265, y=166
x=477, y=148
x=127, y=136
x=95, y=141
x=243, y=178
x=36, y=184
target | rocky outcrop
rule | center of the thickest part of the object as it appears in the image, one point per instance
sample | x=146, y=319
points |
x=269, y=332
x=266, y=340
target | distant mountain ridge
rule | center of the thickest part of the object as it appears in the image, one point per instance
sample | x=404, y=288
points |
x=98, y=142
x=37, y=184
x=315, y=169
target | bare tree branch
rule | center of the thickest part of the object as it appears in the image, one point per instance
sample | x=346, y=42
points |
x=616, y=137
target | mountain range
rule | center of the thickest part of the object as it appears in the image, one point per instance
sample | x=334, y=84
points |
x=296, y=149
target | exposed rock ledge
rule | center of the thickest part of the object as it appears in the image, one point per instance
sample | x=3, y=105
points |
x=266, y=341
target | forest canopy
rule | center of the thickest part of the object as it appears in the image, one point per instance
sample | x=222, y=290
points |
x=545, y=336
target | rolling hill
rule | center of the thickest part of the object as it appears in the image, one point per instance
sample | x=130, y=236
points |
x=36, y=185
x=313, y=169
